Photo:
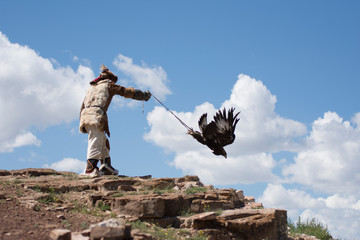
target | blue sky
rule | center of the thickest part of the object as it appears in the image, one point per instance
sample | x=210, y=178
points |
x=292, y=68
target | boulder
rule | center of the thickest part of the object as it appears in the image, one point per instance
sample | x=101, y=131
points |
x=140, y=206
x=255, y=223
x=4, y=173
x=60, y=234
x=201, y=220
x=110, y=229
x=114, y=184
x=137, y=235
x=160, y=183
x=200, y=205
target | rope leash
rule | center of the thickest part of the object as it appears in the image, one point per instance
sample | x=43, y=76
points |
x=184, y=124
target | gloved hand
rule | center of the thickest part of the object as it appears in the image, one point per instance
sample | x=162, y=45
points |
x=147, y=95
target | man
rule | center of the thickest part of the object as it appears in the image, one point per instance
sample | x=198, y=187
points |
x=94, y=120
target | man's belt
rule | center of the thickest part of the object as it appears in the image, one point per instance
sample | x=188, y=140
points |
x=97, y=107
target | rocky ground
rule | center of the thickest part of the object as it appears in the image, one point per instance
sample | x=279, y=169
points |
x=36, y=203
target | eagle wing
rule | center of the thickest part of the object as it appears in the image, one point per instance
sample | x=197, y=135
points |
x=203, y=122
x=224, y=127
x=219, y=132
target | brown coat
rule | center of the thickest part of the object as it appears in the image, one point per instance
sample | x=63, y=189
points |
x=97, y=101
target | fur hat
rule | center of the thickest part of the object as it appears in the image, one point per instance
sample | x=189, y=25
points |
x=105, y=74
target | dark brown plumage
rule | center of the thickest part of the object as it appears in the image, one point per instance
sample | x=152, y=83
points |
x=219, y=132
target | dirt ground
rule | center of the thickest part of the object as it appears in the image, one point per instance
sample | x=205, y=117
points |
x=18, y=222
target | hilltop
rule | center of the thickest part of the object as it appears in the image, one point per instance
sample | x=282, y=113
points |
x=47, y=204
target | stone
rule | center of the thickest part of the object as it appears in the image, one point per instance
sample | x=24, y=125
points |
x=35, y=172
x=60, y=234
x=226, y=194
x=254, y=205
x=240, y=194
x=255, y=223
x=31, y=204
x=200, y=221
x=141, y=206
x=211, y=196
x=61, y=216
x=145, y=176
x=109, y=229
x=187, y=179
x=187, y=185
x=93, y=198
x=79, y=236
x=110, y=184
x=112, y=222
x=137, y=235
x=204, y=216
x=160, y=183
x=174, y=204
x=249, y=199
x=86, y=232
x=2, y=195
x=100, y=232
x=210, y=187
x=126, y=188
x=200, y=205
x=4, y=173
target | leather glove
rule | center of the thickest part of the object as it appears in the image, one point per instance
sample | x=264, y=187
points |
x=147, y=95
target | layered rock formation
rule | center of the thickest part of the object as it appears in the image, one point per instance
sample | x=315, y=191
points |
x=121, y=207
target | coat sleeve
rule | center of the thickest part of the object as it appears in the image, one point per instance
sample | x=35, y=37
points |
x=82, y=127
x=129, y=92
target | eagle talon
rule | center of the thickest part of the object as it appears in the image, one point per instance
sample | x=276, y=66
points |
x=190, y=132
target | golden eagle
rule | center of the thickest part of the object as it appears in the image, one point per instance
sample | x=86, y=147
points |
x=217, y=133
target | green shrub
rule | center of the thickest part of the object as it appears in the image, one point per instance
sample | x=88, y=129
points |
x=309, y=227
x=118, y=195
x=94, y=211
x=193, y=190
x=168, y=233
x=51, y=197
x=103, y=206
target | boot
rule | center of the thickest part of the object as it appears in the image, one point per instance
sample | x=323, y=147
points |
x=106, y=167
x=91, y=168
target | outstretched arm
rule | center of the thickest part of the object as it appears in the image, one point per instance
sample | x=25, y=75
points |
x=130, y=92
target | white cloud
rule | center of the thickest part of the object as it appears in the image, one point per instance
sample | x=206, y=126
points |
x=68, y=164
x=244, y=169
x=276, y=195
x=35, y=93
x=330, y=161
x=341, y=214
x=23, y=139
x=145, y=77
x=260, y=128
x=259, y=132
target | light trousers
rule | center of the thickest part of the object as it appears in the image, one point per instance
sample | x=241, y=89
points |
x=97, y=147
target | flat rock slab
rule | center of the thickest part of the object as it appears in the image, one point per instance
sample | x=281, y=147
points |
x=35, y=172
x=256, y=223
x=4, y=173
x=60, y=234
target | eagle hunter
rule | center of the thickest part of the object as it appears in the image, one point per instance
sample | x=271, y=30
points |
x=219, y=132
